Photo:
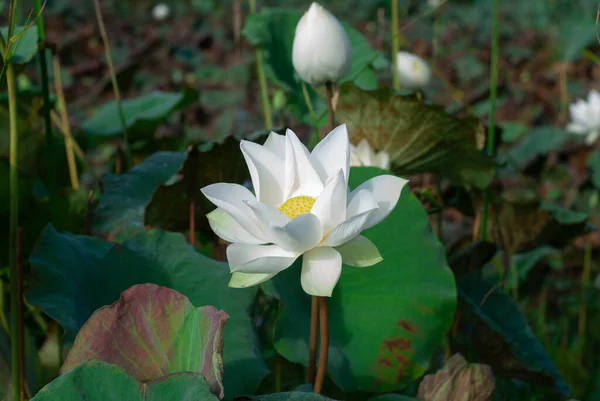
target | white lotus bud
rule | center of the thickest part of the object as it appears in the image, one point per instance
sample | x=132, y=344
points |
x=321, y=52
x=160, y=11
x=413, y=71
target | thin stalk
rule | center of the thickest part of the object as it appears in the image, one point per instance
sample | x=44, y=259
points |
x=330, y=108
x=585, y=278
x=313, y=117
x=514, y=274
x=278, y=373
x=314, y=326
x=64, y=123
x=395, y=44
x=491, y=134
x=21, y=323
x=324, y=345
x=46, y=107
x=89, y=215
x=192, y=190
x=113, y=78
x=14, y=211
x=262, y=80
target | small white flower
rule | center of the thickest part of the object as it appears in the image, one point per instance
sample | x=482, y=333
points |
x=413, y=71
x=321, y=51
x=302, y=208
x=364, y=155
x=160, y=11
x=585, y=117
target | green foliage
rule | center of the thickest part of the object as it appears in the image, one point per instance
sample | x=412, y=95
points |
x=94, y=272
x=24, y=43
x=142, y=115
x=386, y=320
x=100, y=381
x=120, y=213
x=418, y=137
x=593, y=163
x=152, y=332
x=500, y=336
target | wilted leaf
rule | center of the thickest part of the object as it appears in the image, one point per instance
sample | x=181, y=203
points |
x=458, y=380
x=471, y=258
x=100, y=381
x=76, y=275
x=120, y=213
x=151, y=332
x=418, y=138
x=386, y=320
x=501, y=336
x=142, y=115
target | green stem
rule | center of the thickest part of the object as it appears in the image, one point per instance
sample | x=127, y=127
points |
x=395, y=44
x=313, y=117
x=14, y=211
x=585, y=278
x=46, y=108
x=491, y=134
x=262, y=80
x=113, y=78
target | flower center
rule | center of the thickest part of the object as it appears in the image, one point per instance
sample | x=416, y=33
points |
x=297, y=205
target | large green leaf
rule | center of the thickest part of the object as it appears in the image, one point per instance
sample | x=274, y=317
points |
x=386, y=320
x=120, y=213
x=418, y=137
x=501, y=336
x=274, y=29
x=25, y=44
x=142, y=115
x=79, y=274
x=151, y=332
x=100, y=381
x=538, y=142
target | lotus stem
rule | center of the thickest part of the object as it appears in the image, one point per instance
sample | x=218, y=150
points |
x=311, y=111
x=585, y=278
x=330, y=106
x=21, y=324
x=115, y=84
x=491, y=134
x=64, y=124
x=314, y=327
x=262, y=81
x=324, y=346
x=46, y=107
x=16, y=361
x=395, y=44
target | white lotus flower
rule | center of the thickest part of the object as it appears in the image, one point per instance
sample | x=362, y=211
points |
x=364, y=155
x=321, y=51
x=302, y=207
x=413, y=71
x=160, y=11
x=585, y=117
x=435, y=3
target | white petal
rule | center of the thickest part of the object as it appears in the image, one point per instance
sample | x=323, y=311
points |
x=227, y=228
x=299, y=235
x=332, y=154
x=276, y=144
x=385, y=189
x=330, y=206
x=362, y=201
x=359, y=252
x=321, y=270
x=231, y=198
x=383, y=160
x=349, y=229
x=365, y=152
x=576, y=128
x=270, y=259
x=300, y=176
x=266, y=171
x=243, y=280
x=591, y=138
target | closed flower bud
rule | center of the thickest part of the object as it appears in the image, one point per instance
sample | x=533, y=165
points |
x=458, y=380
x=160, y=11
x=321, y=52
x=413, y=71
